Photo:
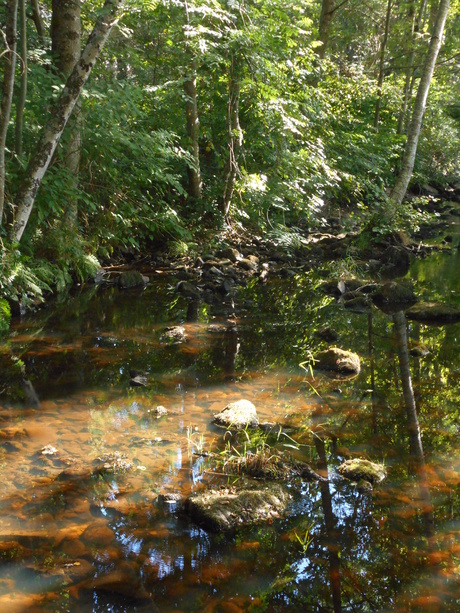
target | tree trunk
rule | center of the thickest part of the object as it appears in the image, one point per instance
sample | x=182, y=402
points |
x=415, y=28
x=383, y=48
x=193, y=132
x=37, y=19
x=192, y=121
x=7, y=89
x=60, y=114
x=66, y=48
x=23, y=88
x=235, y=134
x=416, y=448
x=324, y=29
x=408, y=159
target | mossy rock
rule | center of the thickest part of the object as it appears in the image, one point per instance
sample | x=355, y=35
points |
x=434, y=313
x=338, y=361
x=359, y=470
x=131, y=278
x=226, y=509
x=237, y=416
x=393, y=296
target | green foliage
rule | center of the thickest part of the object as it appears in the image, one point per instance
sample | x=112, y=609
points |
x=5, y=316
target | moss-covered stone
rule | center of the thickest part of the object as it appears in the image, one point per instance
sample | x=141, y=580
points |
x=359, y=469
x=224, y=510
x=434, y=313
x=131, y=278
x=338, y=361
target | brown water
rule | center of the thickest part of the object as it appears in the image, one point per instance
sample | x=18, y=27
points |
x=78, y=539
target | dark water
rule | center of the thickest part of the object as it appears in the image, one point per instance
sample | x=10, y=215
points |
x=101, y=542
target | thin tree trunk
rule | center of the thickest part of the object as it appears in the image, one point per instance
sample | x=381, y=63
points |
x=408, y=159
x=60, y=114
x=7, y=89
x=408, y=83
x=23, y=88
x=416, y=448
x=37, y=19
x=331, y=527
x=415, y=438
x=66, y=48
x=235, y=134
x=192, y=122
x=383, y=48
x=324, y=28
x=193, y=132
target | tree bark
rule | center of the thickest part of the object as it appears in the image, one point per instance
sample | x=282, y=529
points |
x=60, y=114
x=415, y=28
x=192, y=121
x=37, y=19
x=235, y=134
x=383, y=48
x=193, y=132
x=408, y=159
x=23, y=87
x=66, y=48
x=324, y=29
x=7, y=89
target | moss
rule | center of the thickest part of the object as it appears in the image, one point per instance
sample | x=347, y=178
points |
x=338, y=361
x=358, y=469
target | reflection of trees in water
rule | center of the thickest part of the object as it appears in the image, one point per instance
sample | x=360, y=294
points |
x=415, y=439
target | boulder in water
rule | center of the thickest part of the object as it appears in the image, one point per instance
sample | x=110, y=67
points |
x=237, y=416
x=338, y=361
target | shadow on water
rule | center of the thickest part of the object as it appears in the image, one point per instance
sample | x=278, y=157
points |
x=84, y=454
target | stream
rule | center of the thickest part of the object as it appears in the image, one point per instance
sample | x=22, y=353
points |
x=77, y=540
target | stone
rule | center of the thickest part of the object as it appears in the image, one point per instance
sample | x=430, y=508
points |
x=359, y=469
x=174, y=335
x=247, y=264
x=98, y=534
x=226, y=509
x=187, y=290
x=393, y=296
x=338, y=361
x=230, y=253
x=237, y=416
x=132, y=278
x=434, y=313
x=158, y=411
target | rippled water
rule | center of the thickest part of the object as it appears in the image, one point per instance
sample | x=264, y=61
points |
x=79, y=538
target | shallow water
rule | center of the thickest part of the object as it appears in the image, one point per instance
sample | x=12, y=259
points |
x=78, y=539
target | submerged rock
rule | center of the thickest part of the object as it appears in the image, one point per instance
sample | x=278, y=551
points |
x=132, y=278
x=158, y=411
x=434, y=313
x=174, y=335
x=393, y=296
x=362, y=471
x=237, y=416
x=338, y=361
x=226, y=509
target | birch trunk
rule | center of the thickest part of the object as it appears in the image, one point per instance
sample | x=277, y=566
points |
x=66, y=48
x=23, y=87
x=7, y=89
x=408, y=159
x=60, y=114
